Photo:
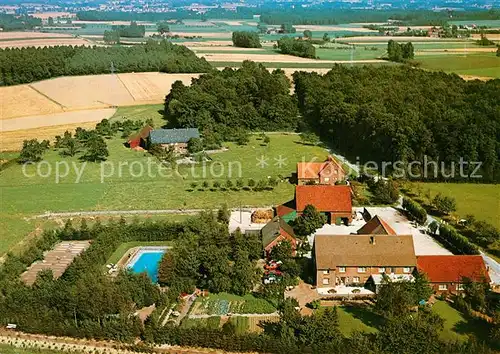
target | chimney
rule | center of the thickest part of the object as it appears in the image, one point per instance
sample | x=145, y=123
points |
x=372, y=240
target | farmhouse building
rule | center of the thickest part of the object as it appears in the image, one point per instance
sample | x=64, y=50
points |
x=327, y=172
x=176, y=138
x=447, y=273
x=140, y=138
x=334, y=201
x=276, y=231
x=352, y=259
x=376, y=226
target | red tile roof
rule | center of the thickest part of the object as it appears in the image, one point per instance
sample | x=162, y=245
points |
x=376, y=225
x=324, y=198
x=311, y=170
x=451, y=269
x=284, y=209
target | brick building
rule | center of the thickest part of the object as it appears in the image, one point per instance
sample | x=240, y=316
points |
x=328, y=172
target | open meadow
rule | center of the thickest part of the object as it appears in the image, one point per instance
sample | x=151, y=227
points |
x=480, y=200
x=126, y=188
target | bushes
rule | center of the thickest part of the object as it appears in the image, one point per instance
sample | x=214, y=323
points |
x=299, y=48
x=246, y=39
x=458, y=242
x=416, y=211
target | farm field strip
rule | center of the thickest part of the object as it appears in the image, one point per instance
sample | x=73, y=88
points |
x=23, y=123
x=276, y=58
x=26, y=35
x=13, y=140
x=46, y=42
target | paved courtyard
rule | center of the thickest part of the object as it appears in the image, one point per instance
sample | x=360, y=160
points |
x=423, y=243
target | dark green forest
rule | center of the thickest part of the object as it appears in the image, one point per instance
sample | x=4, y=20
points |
x=403, y=114
x=25, y=65
x=329, y=16
x=230, y=101
x=18, y=23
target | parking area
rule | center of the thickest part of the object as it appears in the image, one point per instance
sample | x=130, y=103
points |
x=423, y=243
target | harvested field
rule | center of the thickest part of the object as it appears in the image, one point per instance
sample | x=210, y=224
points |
x=22, y=100
x=152, y=87
x=57, y=260
x=44, y=42
x=210, y=44
x=202, y=34
x=73, y=93
x=222, y=48
x=23, y=35
x=23, y=123
x=46, y=15
x=276, y=58
x=228, y=23
x=13, y=140
x=491, y=37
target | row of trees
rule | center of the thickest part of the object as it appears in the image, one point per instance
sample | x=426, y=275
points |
x=25, y=65
x=400, y=52
x=449, y=236
x=230, y=102
x=297, y=47
x=246, y=39
x=325, y=15
x=10, y=22
x=237, y=185
x=398, y=114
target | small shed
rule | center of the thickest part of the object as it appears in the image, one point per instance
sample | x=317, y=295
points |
x=276, y=231
x=139, y=138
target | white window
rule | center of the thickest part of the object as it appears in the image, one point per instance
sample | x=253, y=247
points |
x=326, y=281
x=443, y=287
x=355, y=280
x=361, y=269
x=341, y=269
x=327, y=179
x=381, y=270
x=326, y=272
x=406, y=270
x=460, y=287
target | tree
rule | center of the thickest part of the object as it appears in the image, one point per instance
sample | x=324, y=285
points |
x=475, y=293
x=194, y=185
x=33, y=150
x=309, y=138
x=384, y=191
x=287, y=28
x=266, y=139
x=240, y=183
x=326, y=37
x=50, y=21
x=498, y=51
x=216, y=184
x=195, y=145
x=433, y=227
x=394, y=299
x=307, y=34
x=246, y=39
x=111, y=37
x=229, y=184
x=242, y=137
x=163, y=27
x=96, y=149
x=444, y=204
x=251, y=182
x=205, y=184
x=308, y=221
x=223, y=214
x=282, y=251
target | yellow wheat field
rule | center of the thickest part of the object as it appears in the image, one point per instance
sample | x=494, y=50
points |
x=23, y=43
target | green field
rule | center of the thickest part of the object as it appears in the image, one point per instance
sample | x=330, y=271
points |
x=354, y=319
x=359, y=53
x=24, y=196
x=124, y=247
x=143, y=112
x=480, y=200
x=487, y=64
x=9, y=349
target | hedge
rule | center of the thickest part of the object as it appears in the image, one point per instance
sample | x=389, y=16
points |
x=416, y=211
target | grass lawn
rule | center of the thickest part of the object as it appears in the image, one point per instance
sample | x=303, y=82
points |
x=353, y=319
x=458, y=327
x=124, y=247
x=486, y=64
x=127, y=189
x=480, y=200
x=142, y=112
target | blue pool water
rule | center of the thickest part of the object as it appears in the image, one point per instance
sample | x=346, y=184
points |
x=147, y=261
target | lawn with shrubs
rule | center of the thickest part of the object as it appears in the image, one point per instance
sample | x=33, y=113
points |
x=131, y=180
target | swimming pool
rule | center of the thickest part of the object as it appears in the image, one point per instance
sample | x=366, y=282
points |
x=147, y=259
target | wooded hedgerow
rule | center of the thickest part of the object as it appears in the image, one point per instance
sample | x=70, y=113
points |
x=25, y=65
